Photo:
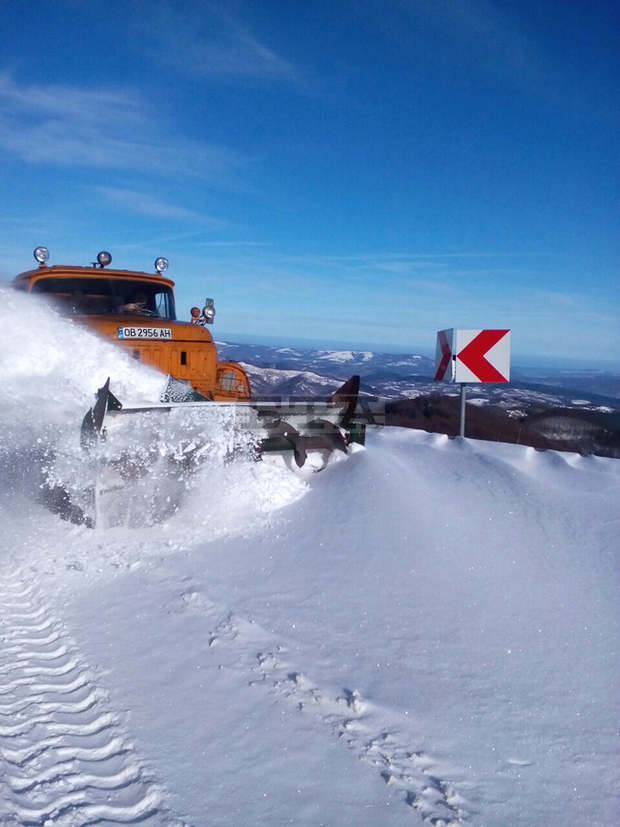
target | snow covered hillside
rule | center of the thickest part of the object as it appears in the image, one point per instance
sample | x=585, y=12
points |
x=423, y=633
x=280, y=369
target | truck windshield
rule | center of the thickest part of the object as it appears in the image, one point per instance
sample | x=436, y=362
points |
x=107, y=297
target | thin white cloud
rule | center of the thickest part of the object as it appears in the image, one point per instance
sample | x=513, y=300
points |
x=62, y=101
x=433, y=270
x=102, y=128
x=207, y=41
x=234, y=244
x=146, y=204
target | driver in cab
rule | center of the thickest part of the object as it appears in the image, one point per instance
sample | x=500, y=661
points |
x=137, y=304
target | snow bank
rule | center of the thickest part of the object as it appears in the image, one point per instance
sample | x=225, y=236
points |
x=429, y=629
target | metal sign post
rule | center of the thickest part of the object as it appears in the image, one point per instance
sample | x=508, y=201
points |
x=465, y=356
x=462, y=419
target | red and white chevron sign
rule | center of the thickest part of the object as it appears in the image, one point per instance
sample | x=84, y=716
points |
x=472, y=356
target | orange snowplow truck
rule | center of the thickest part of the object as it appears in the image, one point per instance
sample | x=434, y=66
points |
x=136, y=310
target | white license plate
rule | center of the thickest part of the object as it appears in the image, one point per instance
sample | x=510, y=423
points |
x=144, y=333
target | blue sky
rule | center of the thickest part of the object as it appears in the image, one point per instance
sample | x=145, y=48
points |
x=356, y=172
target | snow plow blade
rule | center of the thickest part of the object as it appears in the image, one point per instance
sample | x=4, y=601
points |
x=292, y=425
x=141, y=468
x=283, y=437
x=326, y=425
x=92, y=424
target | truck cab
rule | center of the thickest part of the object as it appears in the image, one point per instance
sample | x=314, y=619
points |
x=136, y=310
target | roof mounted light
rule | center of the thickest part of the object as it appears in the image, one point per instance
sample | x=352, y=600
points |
x=208, y=311
x=104, y=258
x=161, y=264
x=41, y=254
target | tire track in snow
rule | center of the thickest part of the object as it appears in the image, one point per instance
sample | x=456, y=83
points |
x=347, y=715
x=64, y=756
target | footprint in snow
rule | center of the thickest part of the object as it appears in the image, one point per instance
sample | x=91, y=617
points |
x=347, y=715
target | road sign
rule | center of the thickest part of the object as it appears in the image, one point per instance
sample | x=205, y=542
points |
x=473, y=356
x=443, y=356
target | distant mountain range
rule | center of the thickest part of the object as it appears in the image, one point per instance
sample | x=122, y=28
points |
x=299, y=372
x=559, y=409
